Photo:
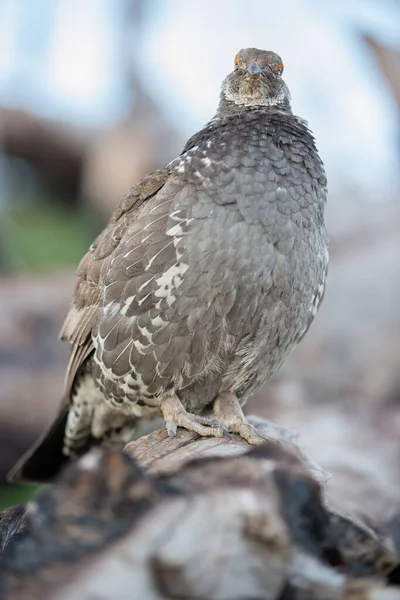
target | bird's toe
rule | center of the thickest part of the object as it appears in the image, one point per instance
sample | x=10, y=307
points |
x=248, y=432
x=176, y=416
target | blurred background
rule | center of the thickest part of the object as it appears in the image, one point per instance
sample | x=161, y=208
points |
x=96, y=94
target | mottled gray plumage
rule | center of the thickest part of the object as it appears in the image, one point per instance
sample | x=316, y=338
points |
x=207, y=275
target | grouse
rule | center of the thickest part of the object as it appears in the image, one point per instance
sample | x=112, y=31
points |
x=207, y=275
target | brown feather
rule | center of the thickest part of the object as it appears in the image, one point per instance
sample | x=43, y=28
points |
x=78, y=323
x=77, y=357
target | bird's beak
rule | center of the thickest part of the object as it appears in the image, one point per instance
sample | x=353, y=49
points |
x=254, y=69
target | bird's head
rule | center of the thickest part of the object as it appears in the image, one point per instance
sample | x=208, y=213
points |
x=255, y=81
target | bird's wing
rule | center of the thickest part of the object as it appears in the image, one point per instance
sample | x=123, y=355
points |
x=77, y=326
x=168, y=289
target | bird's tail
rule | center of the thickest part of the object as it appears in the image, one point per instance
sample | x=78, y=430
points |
x=43, y=461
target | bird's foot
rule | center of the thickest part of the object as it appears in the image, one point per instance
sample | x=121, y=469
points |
x=176, y=416
x=230, y=414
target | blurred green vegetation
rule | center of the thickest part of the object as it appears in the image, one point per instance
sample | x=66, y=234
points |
x=17, y=494
x=45, y=233
x=39, y=231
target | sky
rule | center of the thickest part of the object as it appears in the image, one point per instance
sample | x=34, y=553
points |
x=62, y=59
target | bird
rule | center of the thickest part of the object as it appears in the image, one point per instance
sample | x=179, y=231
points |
x=208, y=274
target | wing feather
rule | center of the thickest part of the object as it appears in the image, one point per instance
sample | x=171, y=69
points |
x=78, y=323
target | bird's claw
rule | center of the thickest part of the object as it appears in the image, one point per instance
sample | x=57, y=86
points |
x=176, y=416
x=171, y=428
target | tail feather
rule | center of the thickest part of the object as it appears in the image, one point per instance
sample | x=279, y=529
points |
x=42, y=462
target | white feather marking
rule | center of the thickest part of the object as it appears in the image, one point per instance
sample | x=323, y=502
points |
x=106, y=371
x=139, y=346
x=129, y=344
x=140, y=302
x=174, y=215
x=131, y=238
x=152, y=222
x=127, y=322
x=133, y=264
x=111, y=309
x=172, y=276
x=158, y=205
x=146, y=333
x=128, y=304
x=206, y=161
x=127, y=254
x=171, y=279
x=155, y=256
x=147, y=237
x=101, y=340
x=249, y=101
x=158, y=321
x=146, y=283
x=175, y=230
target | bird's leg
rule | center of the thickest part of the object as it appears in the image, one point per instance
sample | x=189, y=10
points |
x=176, y=416
x=230, y=415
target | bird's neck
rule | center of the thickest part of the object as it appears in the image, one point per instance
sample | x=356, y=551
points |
x=227, y=107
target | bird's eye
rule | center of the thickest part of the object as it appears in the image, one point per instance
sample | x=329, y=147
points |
x=278, y=69
x=237, y=62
